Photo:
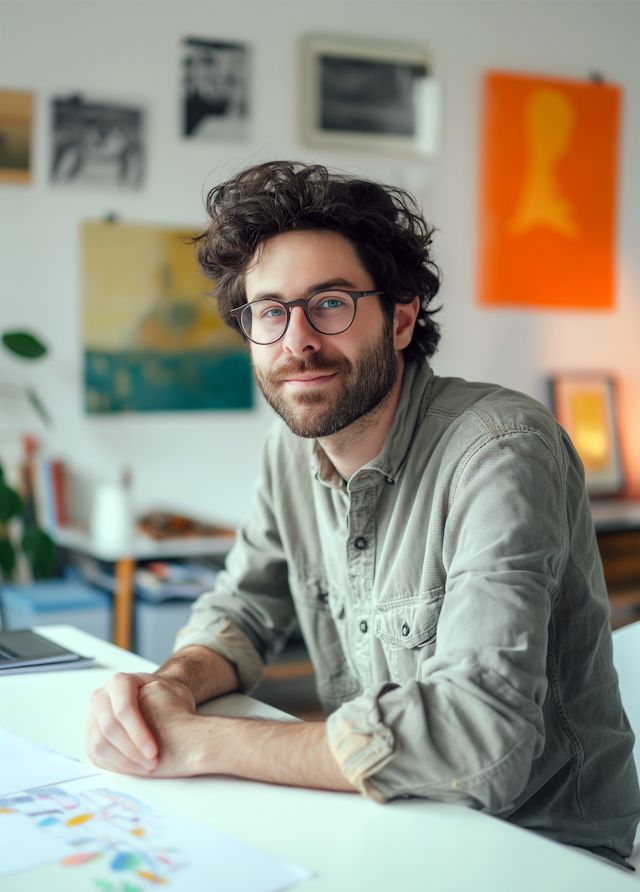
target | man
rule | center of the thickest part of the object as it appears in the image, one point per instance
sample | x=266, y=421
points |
x=432, y=537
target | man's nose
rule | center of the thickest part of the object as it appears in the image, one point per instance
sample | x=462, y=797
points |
x=300, y=338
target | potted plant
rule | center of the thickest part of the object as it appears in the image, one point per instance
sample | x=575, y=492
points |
x=38, y=547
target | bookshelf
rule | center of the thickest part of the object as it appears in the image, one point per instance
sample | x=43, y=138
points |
x=125, y=559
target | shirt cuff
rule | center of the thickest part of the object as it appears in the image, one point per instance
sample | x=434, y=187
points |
x=360, y=741
x=226, y=639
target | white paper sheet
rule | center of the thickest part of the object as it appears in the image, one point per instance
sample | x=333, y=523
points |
x=24, y=846
x=25, y=765
x=114, y=840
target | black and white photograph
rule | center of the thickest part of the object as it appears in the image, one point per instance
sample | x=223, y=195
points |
x=368, y=96
x=362, y=95
x=97, y=143
x=216, y=88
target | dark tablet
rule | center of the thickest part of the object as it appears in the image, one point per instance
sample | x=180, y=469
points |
x=24, y=649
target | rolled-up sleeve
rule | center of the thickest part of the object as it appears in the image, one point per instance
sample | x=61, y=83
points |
x=468, y=728
x=249, y=615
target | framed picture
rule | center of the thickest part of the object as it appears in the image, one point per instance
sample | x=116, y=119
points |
x=96, y=143
x=152, y=341
x=215, y=89
x=16, y=112
x=584, y=405
x=375, y=96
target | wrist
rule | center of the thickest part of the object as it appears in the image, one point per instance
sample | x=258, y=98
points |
x=212, y=744
x=177, y=684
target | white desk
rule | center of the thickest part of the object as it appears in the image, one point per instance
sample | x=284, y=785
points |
x=351, y=843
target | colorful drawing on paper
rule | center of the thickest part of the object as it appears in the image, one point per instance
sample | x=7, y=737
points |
x=116, y=833
x=549, y=175
x=16, y=112
x=153, y=341
x=81, y=836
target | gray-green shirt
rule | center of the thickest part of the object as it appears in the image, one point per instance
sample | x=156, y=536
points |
x=452, y=599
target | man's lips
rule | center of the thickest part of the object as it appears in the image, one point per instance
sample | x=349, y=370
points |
x=309, y=379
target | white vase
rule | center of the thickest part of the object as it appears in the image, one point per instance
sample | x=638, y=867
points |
x=111, y=517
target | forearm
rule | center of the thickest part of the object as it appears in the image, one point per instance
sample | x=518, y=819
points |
x=202, y=670
x=291, y=753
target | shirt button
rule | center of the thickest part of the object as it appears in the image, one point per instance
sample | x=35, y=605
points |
x=363, y=626
x=389, y=479
x=405, y=630
x=360, y=543
x=323, y=597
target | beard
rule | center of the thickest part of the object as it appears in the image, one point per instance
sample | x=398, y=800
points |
x=364, y=383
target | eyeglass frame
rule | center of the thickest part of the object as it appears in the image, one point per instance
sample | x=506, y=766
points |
x=304, y=303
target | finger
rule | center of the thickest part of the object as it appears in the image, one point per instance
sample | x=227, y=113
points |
x=104, y=703
x=103, y=732
x=105, y=755
x=124, y=691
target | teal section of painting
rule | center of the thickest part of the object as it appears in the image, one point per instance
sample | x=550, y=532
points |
x=147, y=381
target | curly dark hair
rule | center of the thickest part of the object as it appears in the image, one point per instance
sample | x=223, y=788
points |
x=384, y=225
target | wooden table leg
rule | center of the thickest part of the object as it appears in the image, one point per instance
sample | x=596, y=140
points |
x=123, y=603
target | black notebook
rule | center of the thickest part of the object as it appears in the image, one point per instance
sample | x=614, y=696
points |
x=22, y=650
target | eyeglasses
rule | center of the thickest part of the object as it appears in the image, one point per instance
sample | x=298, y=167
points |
x=265, y=321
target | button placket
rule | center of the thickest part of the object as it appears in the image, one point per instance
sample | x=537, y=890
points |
x=361, y=570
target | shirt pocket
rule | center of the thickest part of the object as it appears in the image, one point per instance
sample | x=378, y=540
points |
x=334, y=681
x=407, y=629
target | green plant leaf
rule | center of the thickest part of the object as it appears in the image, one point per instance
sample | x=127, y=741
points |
x=10, y=502
x=7, y=557
x=40, y=551
x=38, y=405
x=24, y=344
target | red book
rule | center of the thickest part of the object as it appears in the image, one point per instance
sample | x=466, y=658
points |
x=59, y=501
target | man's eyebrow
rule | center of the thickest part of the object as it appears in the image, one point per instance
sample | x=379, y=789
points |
x=313, y=289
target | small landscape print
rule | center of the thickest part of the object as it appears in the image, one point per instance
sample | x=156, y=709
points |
x=360, y=94
x=153, y=340
x=97, y=143
x=216, y=85
x=16, y=111
x=368, y=96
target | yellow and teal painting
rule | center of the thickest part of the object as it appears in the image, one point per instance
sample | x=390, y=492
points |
x=153, y=341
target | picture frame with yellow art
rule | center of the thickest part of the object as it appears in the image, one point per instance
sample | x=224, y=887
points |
x=584, y=405
x=152, y=340
x=16, y=120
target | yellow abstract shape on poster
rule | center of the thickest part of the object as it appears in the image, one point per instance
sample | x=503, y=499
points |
x=144, y=289
x=550, y=125
x=590, y=432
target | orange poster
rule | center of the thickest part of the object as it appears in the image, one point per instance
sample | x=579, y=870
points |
x=549, y=172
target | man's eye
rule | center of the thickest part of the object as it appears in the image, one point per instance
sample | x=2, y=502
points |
x=330, y=303
x=272, y=313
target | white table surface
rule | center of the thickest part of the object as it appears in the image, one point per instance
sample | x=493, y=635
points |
x=143, y=547
x=349, y=842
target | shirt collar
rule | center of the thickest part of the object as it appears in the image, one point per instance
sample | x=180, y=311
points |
x=414, y=400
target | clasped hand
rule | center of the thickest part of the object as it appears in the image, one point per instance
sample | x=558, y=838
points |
x=143, y=724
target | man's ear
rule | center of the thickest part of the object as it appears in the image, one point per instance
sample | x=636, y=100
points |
x=404, y=322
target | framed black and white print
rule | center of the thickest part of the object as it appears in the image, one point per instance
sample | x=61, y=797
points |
x=216, y=81
x=363, y=94
x=97, y=143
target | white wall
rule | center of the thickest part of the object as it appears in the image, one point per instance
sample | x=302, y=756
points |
x=205, y=462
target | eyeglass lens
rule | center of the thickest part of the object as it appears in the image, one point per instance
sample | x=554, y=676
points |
x=331, y=312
